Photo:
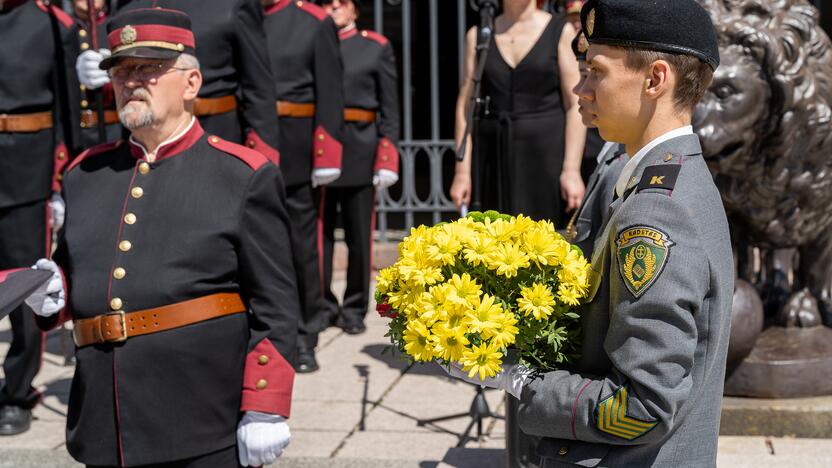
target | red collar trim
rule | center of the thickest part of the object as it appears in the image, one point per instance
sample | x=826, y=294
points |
x=277, y=6
x=343, y=35
x=170, y=148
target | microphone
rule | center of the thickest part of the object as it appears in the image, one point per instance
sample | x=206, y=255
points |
x=487, y=9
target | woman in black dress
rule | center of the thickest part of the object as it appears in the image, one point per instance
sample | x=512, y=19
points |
x=529, y=141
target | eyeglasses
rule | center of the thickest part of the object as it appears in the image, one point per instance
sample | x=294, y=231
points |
x=141, y=72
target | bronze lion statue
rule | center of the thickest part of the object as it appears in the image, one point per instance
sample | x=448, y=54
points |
x=766, y=131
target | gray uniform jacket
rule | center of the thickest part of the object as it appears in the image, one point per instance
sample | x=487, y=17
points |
x=600, y=189
x=648, y=387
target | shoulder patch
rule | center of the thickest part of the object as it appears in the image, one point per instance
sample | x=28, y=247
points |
x=374, y=36
x=612, y=417
x=252, y=158
x=660, y=176
x=94, y=151
x=58, y=13
x=312, y=9
x=642, y=253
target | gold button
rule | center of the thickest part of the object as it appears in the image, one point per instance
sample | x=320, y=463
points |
x=668, y=157
x=563, y=451
x=83, y=125
x=137, y=192
x=115, y=303
x=385, y=144
x=321, y=137
x=180, y=47
x=320, y=152
x=84, y=46
x=300, y=3
x=263, y=360
x=261, y=384
x=119, y=273
x=84, y=103
x=83, y=88
x=144, y=168
x=61, y=155
x=125, y=245
x=59, y=177
x=364, y=33
x=130, y=218
x=82, y=33
x=214, y=139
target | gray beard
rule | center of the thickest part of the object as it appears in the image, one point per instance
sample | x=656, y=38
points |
x=145, y=118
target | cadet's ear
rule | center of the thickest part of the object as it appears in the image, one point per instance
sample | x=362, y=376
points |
x=193, y=81
x=658, y=79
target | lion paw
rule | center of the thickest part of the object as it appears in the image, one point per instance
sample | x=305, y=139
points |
x=801, y=310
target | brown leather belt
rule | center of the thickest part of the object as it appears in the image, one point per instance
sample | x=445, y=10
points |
x=25, y=123
x=118, y=326
x=214, y=106
x=89, y=118
x=353, y=114
x=295, y=109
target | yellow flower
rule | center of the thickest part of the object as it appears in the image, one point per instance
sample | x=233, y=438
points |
x=386, y=279
x=417, y=267
x=407, y=295
x=523, y=224
x=449, y=342
x=453, y=315
x=501, y=231
x=482, y=318
x=507, y=259
x=536, y=300
x=425, y=308
x=506, y=331
x=418, y=341
x=480, y=248
x=539, y=244
x=444, y=247
x=463, y=289
x=569, y=295
x=485, y=360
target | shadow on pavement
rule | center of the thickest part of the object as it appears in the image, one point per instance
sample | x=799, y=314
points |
x=470, y=458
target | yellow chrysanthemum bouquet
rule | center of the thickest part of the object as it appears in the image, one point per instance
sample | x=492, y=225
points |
x=465, y=292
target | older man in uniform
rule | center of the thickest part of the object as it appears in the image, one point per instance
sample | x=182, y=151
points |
x=178, y=276
x=647, y=389
x=236, y=101
x=303, y=50
x=38, y=128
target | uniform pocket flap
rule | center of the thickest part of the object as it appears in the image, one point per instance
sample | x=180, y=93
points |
x=559, y=452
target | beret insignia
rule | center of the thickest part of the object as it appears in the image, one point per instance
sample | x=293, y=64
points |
x=583, y=45
x=642, y=255
x=128, y=35
x=612, y=417
x=590, y=22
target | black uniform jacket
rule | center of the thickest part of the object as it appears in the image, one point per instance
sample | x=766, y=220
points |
x=231, y=49
x=34, y=77
x=370, y=83
x=306, y=62
x=88, y=97
x=208, y=216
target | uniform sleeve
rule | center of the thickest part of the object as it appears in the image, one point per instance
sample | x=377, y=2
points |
x=256, y=81
x=329, y=98
x=267, y=283
x=650, y=342
x=67, y=109
x=387, y=154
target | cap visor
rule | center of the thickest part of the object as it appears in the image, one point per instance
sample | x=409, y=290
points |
x=139, y=52
x=17, y=285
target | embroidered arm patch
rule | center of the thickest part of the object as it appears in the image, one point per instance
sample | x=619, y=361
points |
x=660, y=176
x=612, y=418
x=642, y=255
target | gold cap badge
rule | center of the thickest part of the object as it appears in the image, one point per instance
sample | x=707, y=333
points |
x=128, y=35
x=583, y=45
x=590, y=22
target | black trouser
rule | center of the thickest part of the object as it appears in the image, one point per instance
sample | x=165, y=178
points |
x=24, y=238
x=302, y=202
x=225, y=458
x=357, y=215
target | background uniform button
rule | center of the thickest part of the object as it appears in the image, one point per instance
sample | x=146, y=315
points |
x=125, y=245
x=144, y=168
x=263, y=360
x=115, y=303
x=119, y=273
x=563, y=451
x=137, y=192
x=261, y=384
x=84, y=46
x=130, y=218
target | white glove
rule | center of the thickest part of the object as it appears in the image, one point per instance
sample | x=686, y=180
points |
x=261, y=438
x=87, y=67
x=50, y=298
x=57, y=208
x=512, y=378
x=324, y=176
x=384, y=178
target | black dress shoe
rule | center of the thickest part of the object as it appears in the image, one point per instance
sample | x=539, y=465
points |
x=306, y=362
x=354, y=328
x=14, y=420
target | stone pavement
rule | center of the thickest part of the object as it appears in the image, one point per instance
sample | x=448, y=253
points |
x=362, y=409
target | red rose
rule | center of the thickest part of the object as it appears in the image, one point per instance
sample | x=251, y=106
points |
x=385, y=310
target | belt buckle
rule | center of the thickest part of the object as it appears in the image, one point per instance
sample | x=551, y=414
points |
x=123, y=336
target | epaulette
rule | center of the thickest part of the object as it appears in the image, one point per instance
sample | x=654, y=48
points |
x=252, y=158
x=58, y=13
x=94, y=151
x=312, y=9
x=660, y=176
x=374, y=36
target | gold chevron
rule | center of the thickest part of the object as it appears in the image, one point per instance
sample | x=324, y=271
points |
x=613, y=419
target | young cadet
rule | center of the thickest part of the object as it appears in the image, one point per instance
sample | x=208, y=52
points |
x=648, y=386
x=588, y=219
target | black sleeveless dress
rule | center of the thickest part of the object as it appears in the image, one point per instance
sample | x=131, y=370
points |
x=519, y=143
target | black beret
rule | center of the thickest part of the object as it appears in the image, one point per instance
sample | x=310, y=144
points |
x=580, y=46
x=153, y=33
x=674, y=26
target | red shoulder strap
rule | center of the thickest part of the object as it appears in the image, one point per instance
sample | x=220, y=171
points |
x=59, y=14
x=95, y=150
x=252, y=158
x=374, y=36
x=312, y=9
